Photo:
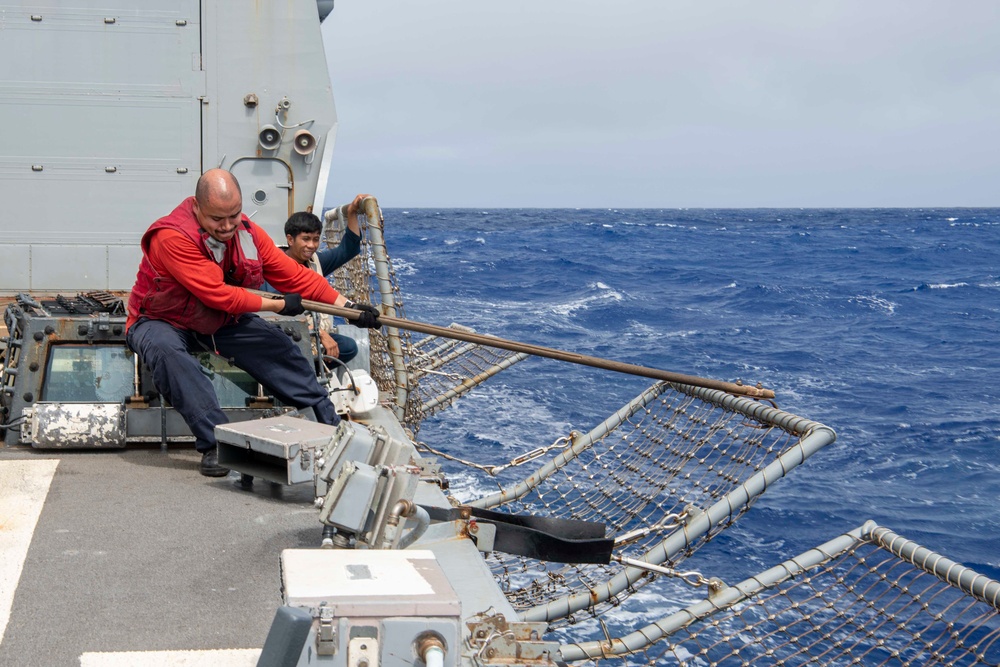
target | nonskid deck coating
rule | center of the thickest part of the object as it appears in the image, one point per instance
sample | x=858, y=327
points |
x=135, y=551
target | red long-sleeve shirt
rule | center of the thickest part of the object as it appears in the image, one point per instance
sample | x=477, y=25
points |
x=172, y=253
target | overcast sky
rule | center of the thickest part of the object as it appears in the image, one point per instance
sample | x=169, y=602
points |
x=657, y=103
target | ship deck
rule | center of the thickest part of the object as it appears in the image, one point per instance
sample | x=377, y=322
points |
x=133, y=550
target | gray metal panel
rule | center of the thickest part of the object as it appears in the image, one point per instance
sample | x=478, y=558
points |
x=113, y=112
x=273, y=51
x=81, y=47
x=74, y=203
x=15, y=265
x=55, y=266
x=266, y=200
x=123, y=262
x=281, y=436
x=105, y=104
x=277, y=443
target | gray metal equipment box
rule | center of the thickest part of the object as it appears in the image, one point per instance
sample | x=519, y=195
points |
x=278, y=449
x=372, y=606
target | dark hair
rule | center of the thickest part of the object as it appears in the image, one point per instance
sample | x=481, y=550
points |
x=303, y=222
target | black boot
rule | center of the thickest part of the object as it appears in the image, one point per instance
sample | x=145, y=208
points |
x=210, y=464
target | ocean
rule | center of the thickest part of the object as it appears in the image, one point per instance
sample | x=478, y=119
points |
x=883, y=324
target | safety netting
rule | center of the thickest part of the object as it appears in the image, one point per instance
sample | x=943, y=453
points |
x=664, y=474
x=868, y=597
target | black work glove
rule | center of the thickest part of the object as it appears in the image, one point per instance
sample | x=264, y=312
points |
x=293, y=304
x=368, y=315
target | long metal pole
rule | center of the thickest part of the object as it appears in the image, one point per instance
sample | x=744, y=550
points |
x=538, y=350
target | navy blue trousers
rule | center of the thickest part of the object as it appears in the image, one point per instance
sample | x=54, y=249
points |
x=348, y=348
x=259, y=348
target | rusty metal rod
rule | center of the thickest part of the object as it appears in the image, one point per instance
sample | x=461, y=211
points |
x=537, y=350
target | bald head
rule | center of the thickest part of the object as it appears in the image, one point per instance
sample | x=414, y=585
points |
x=217, y=185
x=218, y=203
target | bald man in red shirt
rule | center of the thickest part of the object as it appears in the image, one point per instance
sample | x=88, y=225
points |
x=191, y=295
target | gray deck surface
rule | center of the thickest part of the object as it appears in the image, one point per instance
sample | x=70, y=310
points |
x=134, y=550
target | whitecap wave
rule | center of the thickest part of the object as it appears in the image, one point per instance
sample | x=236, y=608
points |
x=403, y=268
x=681, y=334
x=946, y=285
x=605, y=295
x=875, y=303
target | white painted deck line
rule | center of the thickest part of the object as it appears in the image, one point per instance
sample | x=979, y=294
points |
x=239, y=657
x=23, y=488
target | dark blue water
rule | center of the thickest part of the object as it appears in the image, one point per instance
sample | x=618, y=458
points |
x=882, y=324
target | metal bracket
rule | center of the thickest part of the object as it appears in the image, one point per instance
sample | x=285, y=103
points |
x=498, y=642
x=691, y=512
x=483, y=534
x=326, y=633
x=429, y=467
x=103, y=326
x=430, y=472
x=363, y=651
